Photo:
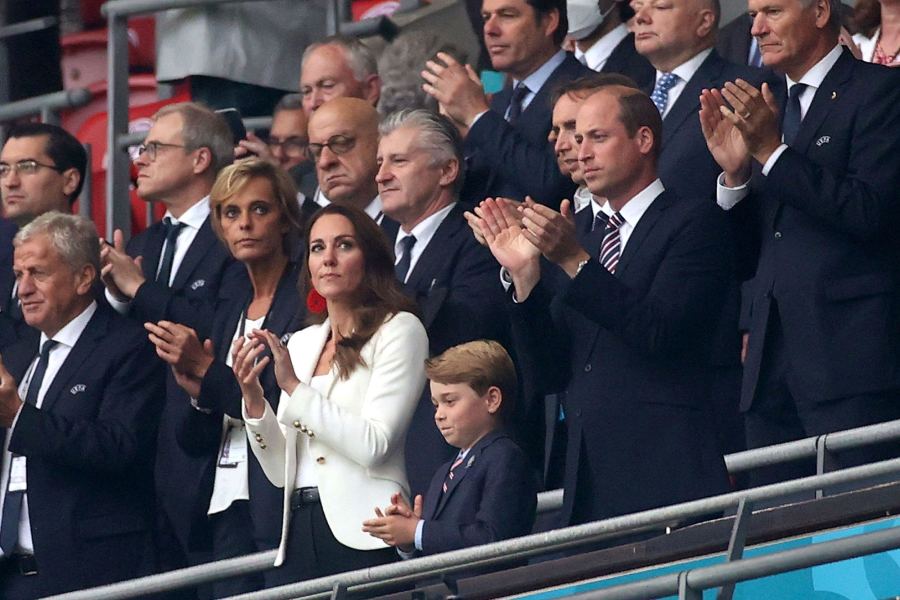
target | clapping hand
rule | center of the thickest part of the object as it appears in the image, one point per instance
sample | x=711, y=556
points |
x=396, y=526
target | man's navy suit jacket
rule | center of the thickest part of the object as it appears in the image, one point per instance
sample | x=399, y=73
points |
x=626, y=60
x=191, y=302
x=8, y=325
x=628, y=349
x=200, y=434
x=821, y=231
x=90, y=451
x=456, y=286
x=513, y=161
x=492, y=496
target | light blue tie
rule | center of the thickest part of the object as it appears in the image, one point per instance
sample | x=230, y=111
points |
x=660, y=95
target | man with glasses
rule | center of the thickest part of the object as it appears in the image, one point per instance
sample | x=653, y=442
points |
x=41, y=169
x=172, y=271
x=343, y=142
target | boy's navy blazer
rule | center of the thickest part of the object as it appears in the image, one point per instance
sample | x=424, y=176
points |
x=493, y=496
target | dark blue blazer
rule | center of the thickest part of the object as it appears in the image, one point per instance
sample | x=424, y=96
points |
x=492, y=497
x=821, y=229
x=517, y=160
x=199, y=434
x=625, y=59
x=628, y=349
x=8, y=325
x=191, y=299
x=90, y=453
x=456, y=286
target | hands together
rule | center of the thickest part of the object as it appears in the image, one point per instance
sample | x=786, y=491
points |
x=396, y=526
x=247, y=367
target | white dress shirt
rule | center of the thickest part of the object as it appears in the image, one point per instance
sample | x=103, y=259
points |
x=727, y=197
x=596, y=56
x=193, y=219
x=423, y=232
x=66, y=339
x=685, y=72
x=230, y=482
x=582, y=198
x=373, y=209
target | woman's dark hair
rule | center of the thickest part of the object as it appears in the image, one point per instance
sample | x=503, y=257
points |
x=380, y=294
x=867, y=16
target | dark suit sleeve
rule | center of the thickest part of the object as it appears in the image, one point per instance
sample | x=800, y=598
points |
x=154, y=302
x=124, y=428
x=506, y=508
x=861, y=200
x=692, y=276
x=516, y=159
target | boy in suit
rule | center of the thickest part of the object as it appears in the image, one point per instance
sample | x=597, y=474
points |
x=487, y=493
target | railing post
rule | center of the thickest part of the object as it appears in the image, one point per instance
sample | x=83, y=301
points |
x=118, y=207
x=737, y=542
x=685, y=591
x=825, y=461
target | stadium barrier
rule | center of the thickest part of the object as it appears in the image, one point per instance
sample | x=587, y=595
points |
x=366, y=580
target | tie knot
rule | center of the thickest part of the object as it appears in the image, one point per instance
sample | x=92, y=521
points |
x=46, y=347
x=408, y=242
x=172, y=227
x=519, y=92
x=616, y=220
x=666, y=82
x=796, y=90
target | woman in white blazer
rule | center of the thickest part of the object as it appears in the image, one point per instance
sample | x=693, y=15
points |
x=349, y=386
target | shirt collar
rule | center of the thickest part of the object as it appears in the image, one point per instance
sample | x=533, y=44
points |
x=635, y=208
x=601, y=50
x=425, y=230
x=374, y=209
x=816, y=75
x=536, y=80
x=70, y=333
x=194, y=216
x=688, y=68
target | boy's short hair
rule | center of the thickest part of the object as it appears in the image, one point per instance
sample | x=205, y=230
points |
x=480, y=365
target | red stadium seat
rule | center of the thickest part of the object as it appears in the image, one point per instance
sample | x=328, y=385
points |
x=84, y=53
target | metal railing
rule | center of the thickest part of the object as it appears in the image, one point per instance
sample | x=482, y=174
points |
x=47, y=105
x=689, y=584
x=366, y=580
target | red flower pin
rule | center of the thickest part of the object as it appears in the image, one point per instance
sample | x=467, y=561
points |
x=315, y=303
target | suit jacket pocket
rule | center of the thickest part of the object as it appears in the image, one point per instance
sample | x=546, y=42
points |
x=858, y=286
x=99, y=526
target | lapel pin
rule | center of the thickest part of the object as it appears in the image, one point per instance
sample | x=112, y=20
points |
x=77, y=388
x=834, y=95
x=471, y=460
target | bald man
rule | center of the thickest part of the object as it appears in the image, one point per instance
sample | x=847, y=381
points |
x=343, y=143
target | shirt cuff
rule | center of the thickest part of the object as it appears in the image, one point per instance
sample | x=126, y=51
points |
x=119, y=306
x=420, y=527
x=771, y=162
x=475, y=120
x=728, y=197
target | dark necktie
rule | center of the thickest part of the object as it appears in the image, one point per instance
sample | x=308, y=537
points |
x=515, y=102
x=792, y=115
x=172, y=230
x=610, y=249
x=402, y=267
x=12, y=505
x=452, y=473
x=600, y=221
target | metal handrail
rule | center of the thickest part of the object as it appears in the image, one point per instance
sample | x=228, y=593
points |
x=48, y=102
x=690, y=583
x=485, y=555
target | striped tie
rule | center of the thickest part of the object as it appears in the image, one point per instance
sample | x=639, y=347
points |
x=612, y=243
x=455, y=464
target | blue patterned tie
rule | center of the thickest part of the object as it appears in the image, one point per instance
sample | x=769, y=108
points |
x=660, y=95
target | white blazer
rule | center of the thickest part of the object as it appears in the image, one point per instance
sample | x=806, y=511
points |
x=356, y=431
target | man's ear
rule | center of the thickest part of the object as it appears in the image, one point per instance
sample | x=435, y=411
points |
x=372, y=87
x=84, y=278
x=823, y=13
x=71, y=179
x=449, y=173
x=203, y=160
x=551, y=24
x=645, y=140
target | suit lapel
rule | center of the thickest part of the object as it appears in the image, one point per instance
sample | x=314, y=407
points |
x=307, y=366
x=284, y=305
x=823, y=101
x=88, y=343
x=202, y=243
x=463, y=469
x=640, y=232
x=688, y=103
x=426, y=271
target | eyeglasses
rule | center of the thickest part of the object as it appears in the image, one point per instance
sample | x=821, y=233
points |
x=292, y=146
x=152, y=149
x=25, y=167
x=339, y=144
